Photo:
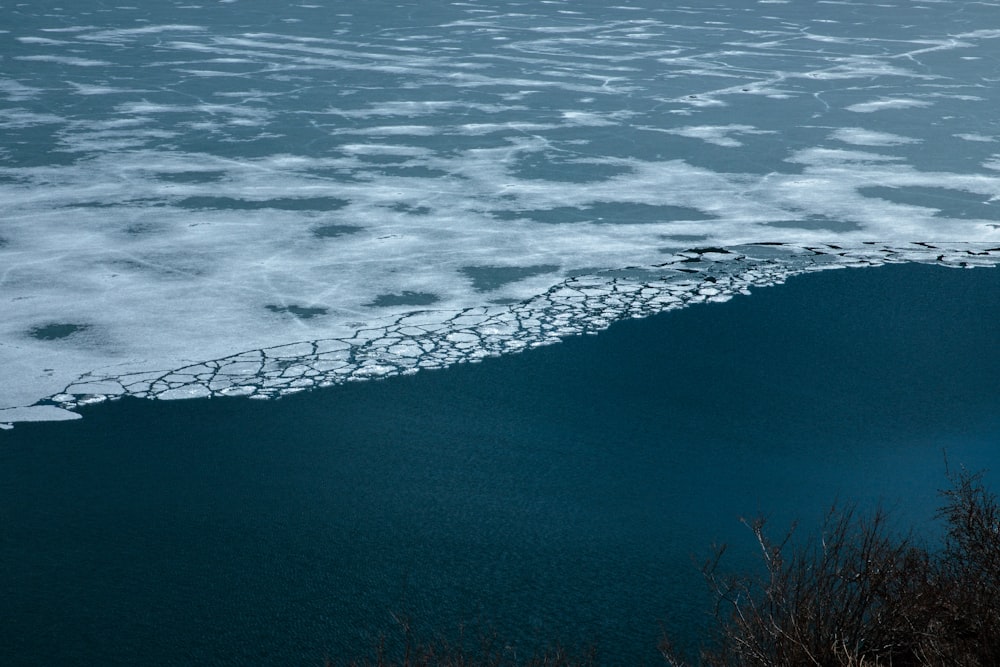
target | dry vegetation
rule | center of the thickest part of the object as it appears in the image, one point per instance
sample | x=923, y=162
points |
x=858, y=595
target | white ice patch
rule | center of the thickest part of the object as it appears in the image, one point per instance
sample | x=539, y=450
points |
x=720, y=135
x=90, y=89
x=65, y=60
x=862, y=137
x=41, y=40
x=888, y=104
x=36, y=413
x=981, y=138
x=127, y=34
x=14, y=91
x=21, y=118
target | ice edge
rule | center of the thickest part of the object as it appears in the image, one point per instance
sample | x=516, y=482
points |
x=437, y=339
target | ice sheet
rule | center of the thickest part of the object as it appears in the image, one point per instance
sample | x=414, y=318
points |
x=188, y=188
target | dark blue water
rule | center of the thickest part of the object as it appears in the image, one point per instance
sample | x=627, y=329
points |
x=558, y=495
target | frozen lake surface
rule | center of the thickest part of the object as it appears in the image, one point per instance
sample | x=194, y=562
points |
x=244, y=199
x=257, y=198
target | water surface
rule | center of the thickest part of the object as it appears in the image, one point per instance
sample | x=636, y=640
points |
x=556, y=495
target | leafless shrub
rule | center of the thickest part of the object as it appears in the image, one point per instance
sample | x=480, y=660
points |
x=859, y=595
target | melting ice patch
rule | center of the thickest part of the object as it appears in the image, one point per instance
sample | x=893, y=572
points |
x=861, y=137
x=223, y=199
x=888, y=104
x=720, y=135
